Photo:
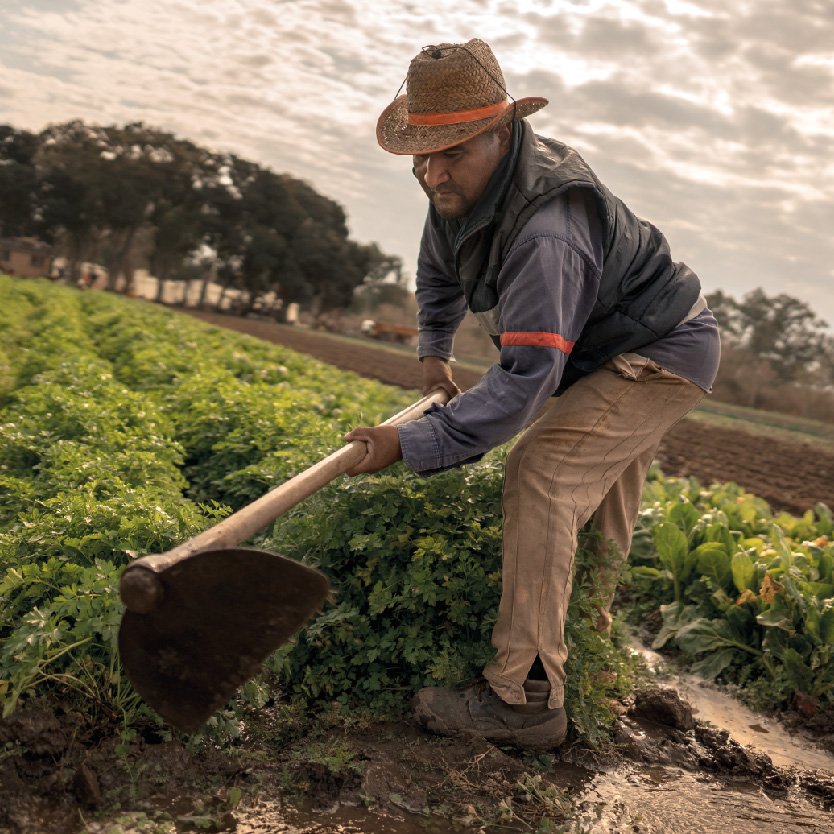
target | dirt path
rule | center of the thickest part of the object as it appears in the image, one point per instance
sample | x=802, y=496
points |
x=789, y=475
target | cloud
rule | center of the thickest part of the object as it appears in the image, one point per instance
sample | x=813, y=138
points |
x=712, y=119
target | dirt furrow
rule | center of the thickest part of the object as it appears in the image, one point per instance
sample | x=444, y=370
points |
x=789, y=475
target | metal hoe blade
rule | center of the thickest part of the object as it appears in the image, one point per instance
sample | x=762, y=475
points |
x=201, y=618
x=222, y=613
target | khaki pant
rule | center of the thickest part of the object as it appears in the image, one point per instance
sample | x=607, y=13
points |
x=586, y=454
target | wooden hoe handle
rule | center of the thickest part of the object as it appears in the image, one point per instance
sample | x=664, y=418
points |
x=138, y=587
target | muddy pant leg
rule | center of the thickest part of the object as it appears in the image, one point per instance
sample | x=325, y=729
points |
x=556, y=476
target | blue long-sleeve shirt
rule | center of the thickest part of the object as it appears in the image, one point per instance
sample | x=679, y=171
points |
x=547, y=288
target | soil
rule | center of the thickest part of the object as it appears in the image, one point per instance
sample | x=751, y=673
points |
x=791, y=476
x=58, y=777
x=58, y=773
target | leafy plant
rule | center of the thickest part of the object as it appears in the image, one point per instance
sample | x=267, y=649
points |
x=745, y=595
x=106, y=412
x=415, y=564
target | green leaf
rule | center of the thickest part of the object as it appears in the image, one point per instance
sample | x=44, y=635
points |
x=775, y=617
x=782, y=547
x=685, y=516
x=711, y=666
x=672, y=550
x=702, y=635
x=820, y=590
x=675, y=616
x=648, y=572
x=744, y=572
x=714, y=563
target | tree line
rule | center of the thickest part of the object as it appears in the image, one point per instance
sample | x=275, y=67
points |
x=135, y=196
x=776, y=353
x=130, y=196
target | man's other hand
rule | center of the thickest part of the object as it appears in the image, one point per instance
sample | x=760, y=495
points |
x=438, y=374
x=383, y=444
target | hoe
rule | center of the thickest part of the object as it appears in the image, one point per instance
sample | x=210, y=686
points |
x=202, y=617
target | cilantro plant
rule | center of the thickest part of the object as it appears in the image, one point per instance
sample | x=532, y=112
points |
x=124, y=430
x=416, y=569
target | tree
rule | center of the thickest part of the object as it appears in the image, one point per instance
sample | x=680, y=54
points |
x=780, y=329
x=100, y=186
x=176, y=235
x=182, y=216
x=240, y=218
x=725, y=309
x=384, y=281
x=18, y=182
x=111, y=193
x=146, y=178
x=66, y=202
x=330, y=263
x=827, y=363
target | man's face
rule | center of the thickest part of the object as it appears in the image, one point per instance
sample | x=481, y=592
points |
x=454, y=179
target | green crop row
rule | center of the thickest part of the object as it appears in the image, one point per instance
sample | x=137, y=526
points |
x=746, y=596
x=126, y=428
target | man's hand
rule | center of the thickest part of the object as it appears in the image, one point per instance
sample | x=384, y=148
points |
x=437, y=374
x=383, y=444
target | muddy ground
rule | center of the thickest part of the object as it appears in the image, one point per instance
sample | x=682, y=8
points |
x=291, y=775
x=789, y=475
x=283, y=776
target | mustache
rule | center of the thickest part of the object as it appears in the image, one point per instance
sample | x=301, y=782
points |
x=445, y=189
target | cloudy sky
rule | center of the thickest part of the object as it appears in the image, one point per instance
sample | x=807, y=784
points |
x=714, y=119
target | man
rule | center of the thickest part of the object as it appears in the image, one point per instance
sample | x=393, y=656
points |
x=583, y=301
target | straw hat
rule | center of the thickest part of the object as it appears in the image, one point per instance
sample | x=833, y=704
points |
x=453, y=92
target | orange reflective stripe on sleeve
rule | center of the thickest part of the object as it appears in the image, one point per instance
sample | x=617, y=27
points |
x=553, y=340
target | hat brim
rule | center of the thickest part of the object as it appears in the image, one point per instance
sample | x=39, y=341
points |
x=396, y=135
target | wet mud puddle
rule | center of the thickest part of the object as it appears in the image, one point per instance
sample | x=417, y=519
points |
x=674, y=801
x=747, y=728
x=736, y=771
x=647, y=799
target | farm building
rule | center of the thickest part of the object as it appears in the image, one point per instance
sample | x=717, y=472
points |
x=25, y=257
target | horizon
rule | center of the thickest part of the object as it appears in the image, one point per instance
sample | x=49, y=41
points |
x=714, y=124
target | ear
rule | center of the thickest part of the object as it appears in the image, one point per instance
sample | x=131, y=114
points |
x=504, y=133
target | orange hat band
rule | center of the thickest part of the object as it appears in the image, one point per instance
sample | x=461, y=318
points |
x=433, y=119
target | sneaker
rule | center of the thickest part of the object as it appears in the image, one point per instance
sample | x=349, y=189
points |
x=476, y=710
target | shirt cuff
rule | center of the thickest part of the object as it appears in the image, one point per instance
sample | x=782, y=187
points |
x=421, y=451
x=436, y=343
x=421, y=448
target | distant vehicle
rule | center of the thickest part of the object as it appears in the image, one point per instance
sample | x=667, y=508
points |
x=388, y=332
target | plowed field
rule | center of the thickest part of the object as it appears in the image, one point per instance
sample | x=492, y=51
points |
x=790, y=475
